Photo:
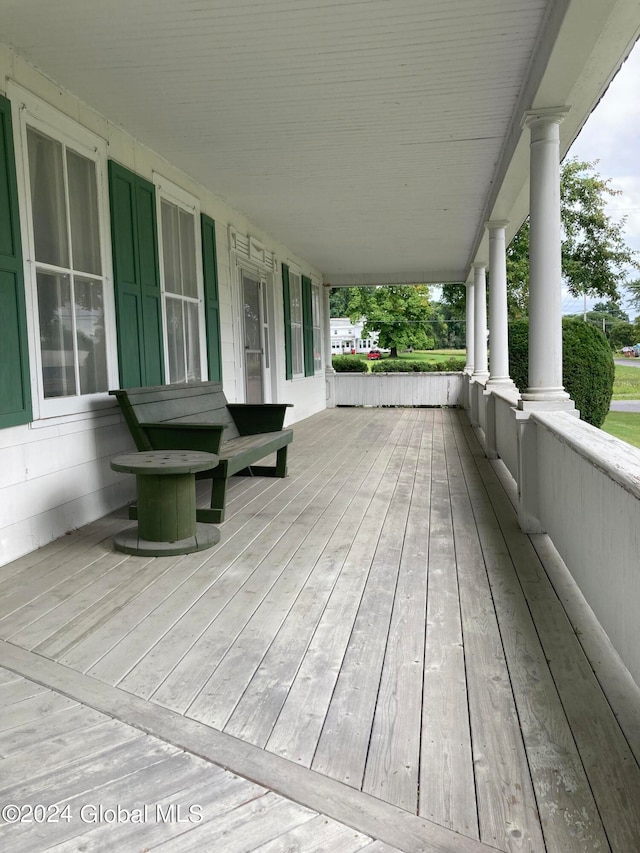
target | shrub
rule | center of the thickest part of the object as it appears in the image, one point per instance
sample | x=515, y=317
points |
x=587, y=366
x=349, y=364
x=401, y=365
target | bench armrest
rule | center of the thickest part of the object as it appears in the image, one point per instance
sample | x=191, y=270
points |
x=184, y=436
x=254, y=418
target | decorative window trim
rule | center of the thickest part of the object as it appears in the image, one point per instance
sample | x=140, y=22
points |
x=247, y=248
x=28, y=110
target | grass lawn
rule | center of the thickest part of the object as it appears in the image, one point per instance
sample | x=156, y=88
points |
x=626, y=384
x=431, y=355
x=624, y=425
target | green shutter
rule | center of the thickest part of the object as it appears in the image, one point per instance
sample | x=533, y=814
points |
x=211, y=298
x=137, y=279
x=15, y=392
x=307, y=325
x=287, y=322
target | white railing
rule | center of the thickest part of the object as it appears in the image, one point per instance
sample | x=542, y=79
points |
x=398, y=389
x=588, y=496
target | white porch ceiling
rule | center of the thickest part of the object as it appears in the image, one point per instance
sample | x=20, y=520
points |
x=373, y=137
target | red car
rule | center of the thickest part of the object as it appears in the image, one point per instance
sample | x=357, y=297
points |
x=375, y=353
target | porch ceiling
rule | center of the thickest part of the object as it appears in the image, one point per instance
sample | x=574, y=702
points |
x=373, y=138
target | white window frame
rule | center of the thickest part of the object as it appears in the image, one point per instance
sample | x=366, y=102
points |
x=168, y=191
x=318, y=338
x=30, y=111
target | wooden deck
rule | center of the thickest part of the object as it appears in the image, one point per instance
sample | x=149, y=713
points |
x=375, y=654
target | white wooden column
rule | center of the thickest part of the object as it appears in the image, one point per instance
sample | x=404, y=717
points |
x=545, y=269
x=470, y=327
x=498, y=319
x=326, y=316
x=329, y=372
x=480, y=370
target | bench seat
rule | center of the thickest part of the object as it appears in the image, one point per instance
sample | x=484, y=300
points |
x=196, y=416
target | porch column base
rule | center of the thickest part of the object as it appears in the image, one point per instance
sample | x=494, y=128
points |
x=330, y=386
x=560, y=403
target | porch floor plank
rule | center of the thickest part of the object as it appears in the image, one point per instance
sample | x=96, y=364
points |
x=374, y=642
x=447, y=784
x=568, y=812
x=591, y=753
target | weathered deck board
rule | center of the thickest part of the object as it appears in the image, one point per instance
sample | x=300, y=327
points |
x=377, y=616
x=259, y=707
x=219, y=696
x=342, y=749
x=569, y=814
x=392, y=768
x=507, y=810
x=447, y=787
x=300, y=722
x=583, y=718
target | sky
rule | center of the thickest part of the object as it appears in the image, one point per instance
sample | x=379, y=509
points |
x=611, y=136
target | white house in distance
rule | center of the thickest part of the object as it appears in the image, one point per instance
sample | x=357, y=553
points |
x=346, y=337
x=181, y=184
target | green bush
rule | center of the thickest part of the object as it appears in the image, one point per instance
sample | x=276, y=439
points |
x=401, y=365
x=349, y=364
x=587, y=366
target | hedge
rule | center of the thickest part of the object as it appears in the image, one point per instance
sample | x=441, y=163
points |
x=587, y=366
x=349, y=364
x=400, y=365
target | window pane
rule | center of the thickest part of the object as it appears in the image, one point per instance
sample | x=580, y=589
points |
x=170, y=247
x=47, y=199
x=296, y=349
x=56, y=334
x=90, y=334
x=193, y=342
x=317, y=349
x=83, y=210
x=295, y=297
x=175, y=340
x=188, y=254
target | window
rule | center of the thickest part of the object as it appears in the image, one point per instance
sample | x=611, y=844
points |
x=317, y=329
x=295, y=291
x=62, y=170
x=181, y=276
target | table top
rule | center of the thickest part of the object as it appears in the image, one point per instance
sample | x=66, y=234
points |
x=159, y=462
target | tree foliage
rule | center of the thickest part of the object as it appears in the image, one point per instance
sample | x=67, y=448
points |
x=402, y=315
x=595, y=256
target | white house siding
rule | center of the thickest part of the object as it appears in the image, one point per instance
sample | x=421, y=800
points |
x=55, y=474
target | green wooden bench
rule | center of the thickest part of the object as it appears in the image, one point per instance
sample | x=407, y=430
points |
x=196, y=416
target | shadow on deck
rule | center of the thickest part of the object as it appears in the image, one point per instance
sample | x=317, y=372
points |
x=374, y=648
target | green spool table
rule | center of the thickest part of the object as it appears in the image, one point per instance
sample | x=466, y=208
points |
x=166, y=503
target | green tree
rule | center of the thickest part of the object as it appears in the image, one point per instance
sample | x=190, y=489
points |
x=633, y=292
x=595, y=256
x=401, y=315
x=339, y=301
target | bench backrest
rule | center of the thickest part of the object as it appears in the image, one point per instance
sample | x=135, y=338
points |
x=196, y=402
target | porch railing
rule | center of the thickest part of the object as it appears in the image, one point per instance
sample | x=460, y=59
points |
x=398, y=389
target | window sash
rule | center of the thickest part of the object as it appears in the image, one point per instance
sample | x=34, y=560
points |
x=297, y=344
x=70, y=305
x=181, y=276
